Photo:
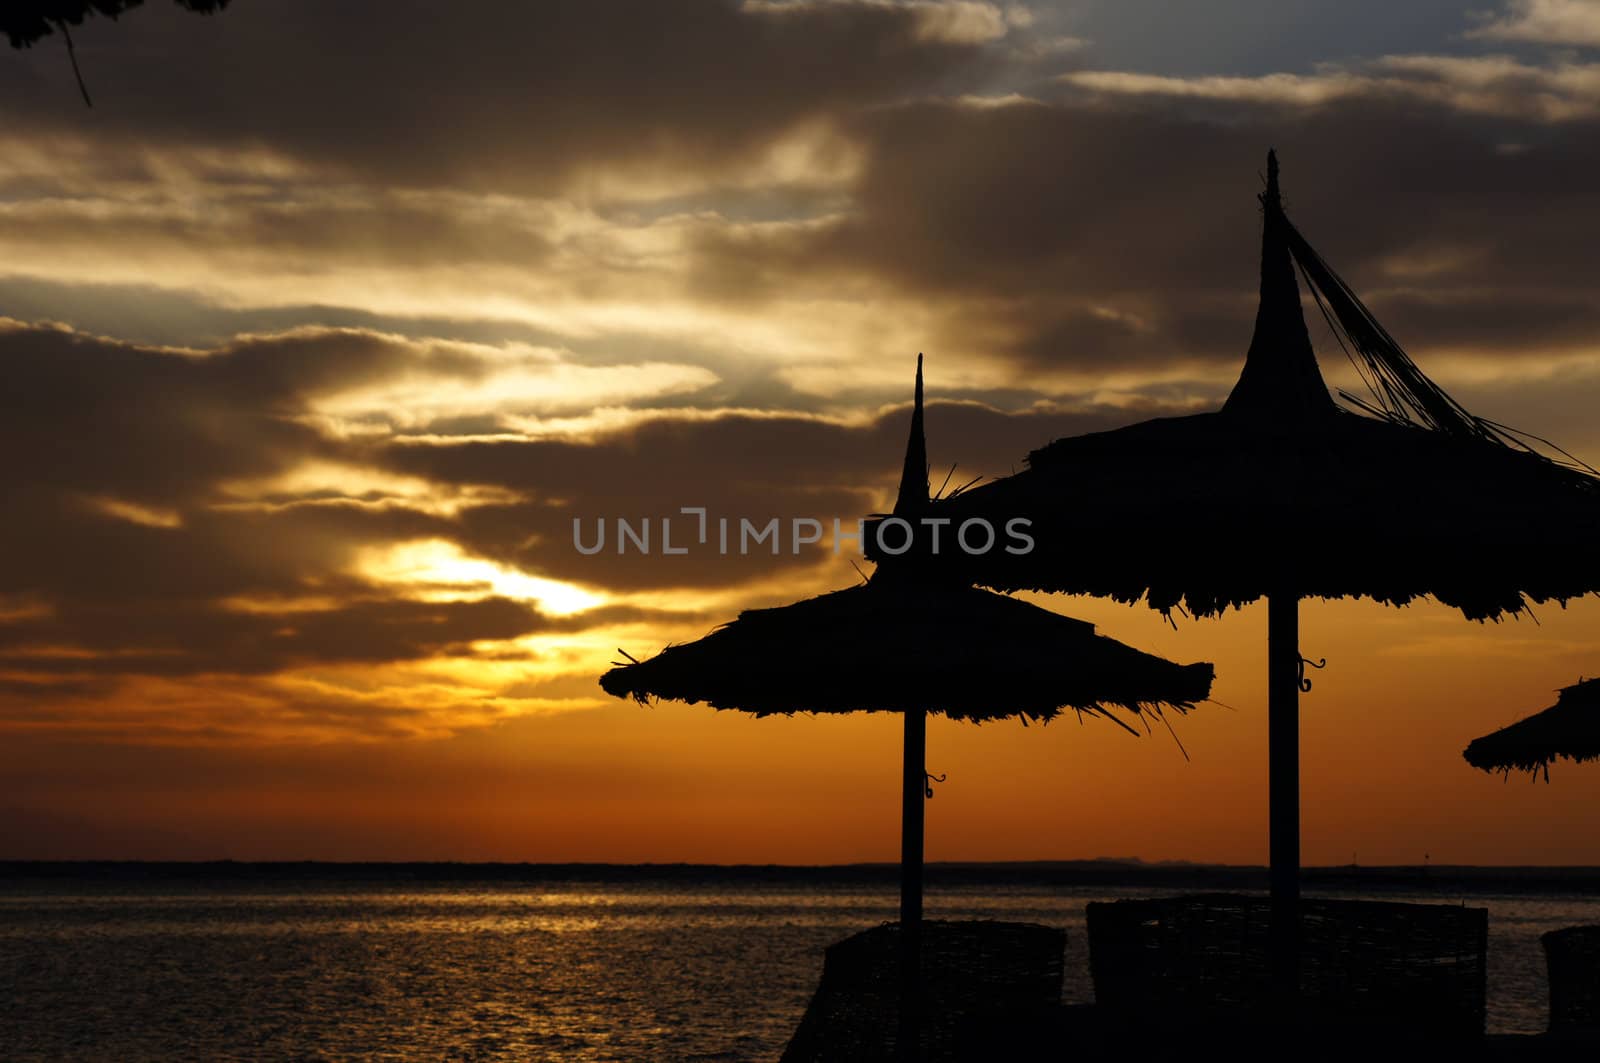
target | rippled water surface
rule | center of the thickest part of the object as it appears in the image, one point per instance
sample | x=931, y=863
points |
x=575, y=971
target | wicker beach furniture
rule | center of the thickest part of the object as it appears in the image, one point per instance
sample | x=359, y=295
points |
x=1573, y=958
x=1365, y=966
x=975, y=975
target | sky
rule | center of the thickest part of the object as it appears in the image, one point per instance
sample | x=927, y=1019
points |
x=326, y=322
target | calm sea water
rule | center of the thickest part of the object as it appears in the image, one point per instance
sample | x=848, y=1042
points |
x=495, y=971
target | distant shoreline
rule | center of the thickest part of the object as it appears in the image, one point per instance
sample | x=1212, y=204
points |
x=1445, y=880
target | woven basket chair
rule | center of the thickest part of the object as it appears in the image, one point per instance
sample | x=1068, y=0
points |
x=974, y=974
x=1365, y=966
x=1573, y=958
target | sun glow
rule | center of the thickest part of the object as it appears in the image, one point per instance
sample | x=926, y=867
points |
x=436, y=570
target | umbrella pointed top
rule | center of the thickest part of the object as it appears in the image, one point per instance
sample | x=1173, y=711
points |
x=1280, y=380
x=913, y=495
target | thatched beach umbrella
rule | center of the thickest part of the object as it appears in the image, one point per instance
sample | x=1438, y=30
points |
x=905, y=642
x=1570, y=728
x=1282, y=494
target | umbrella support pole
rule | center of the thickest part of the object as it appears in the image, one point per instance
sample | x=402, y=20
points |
x=914, y=793
x=1283, y=785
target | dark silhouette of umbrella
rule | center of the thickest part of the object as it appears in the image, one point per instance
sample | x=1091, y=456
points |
x=1570, y=728
x=910, y=642
x=1282, y=494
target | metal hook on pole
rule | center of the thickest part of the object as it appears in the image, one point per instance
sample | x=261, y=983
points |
x=1319, y=664
x=928, y=779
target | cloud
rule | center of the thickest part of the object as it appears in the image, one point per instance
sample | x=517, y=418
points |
x=940, y=21
x=482, y=95
x=188, y=637
x=186, y=521
x=957, y=225
x=1567, y=23
x=398, y=330
x=1496, y=85
x=1296, y=89
x=1062, y=245
x=154, y=490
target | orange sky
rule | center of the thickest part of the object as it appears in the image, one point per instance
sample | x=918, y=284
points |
x=308, y=379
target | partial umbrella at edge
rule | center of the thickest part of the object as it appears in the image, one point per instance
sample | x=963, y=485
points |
x=1570, y=728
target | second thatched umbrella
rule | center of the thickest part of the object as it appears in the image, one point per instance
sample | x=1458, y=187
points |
x=900, y=643
x=1570, y=728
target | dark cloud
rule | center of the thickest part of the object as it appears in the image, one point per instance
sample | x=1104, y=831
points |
x=88, y=425
x=87, y=415
x=1045, y=246
x=140, y=636
x=484, y=94
x=736, y=466
x=370, y=229
x=1086, y=234
x=147, y=314
x=1102, y=235
x=1494, y=323
x=1241, y=37
x=126, y=555
x=145, y=637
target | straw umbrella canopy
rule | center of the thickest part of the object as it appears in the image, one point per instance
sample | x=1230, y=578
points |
x=898, y=646
x=1284, y=495
x=1570, y=728
x=910, y=642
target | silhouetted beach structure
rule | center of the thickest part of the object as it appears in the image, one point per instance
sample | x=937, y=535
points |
x=1570, y=728
x=1283, y=495
x=1368, y=969
x=978, y=977
x=913, y=642
x=1572, y=957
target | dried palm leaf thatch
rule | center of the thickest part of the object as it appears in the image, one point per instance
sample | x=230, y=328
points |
x=1405, y=495
x=896, y=646
x=1570, y=728
x=1211, y=510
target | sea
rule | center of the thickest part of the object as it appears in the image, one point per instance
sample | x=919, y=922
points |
x=229, y=962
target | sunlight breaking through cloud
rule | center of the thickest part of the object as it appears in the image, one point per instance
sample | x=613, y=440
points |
x=437, y=570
